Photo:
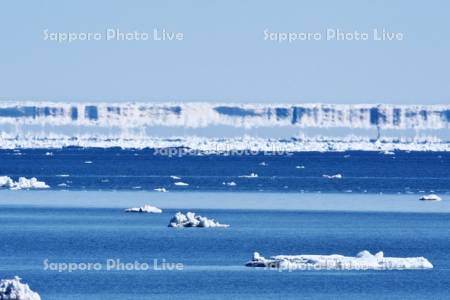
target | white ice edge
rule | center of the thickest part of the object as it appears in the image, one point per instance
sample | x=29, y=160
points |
x=210, y=145
x=364, y=260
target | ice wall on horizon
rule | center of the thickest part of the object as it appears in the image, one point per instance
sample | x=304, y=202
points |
x=201, y=115
x=211, y=126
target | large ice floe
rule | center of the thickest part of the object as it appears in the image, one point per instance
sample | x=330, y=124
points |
x=145, y=209
x=431, y=197
x=190, y=219
x=13, y=289
x=22, y=183
x=364, y=260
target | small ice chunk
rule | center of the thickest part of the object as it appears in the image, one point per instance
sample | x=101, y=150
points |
x=175, y=177
x=231, y=183
x=336, y=176
x=299, y=167
x=430, y=197
x=180, y=183
x=161, y=190
x=264, y=164
x=251, y=175
x=145, y=209
x=13, y=289
x=387, y=152
x=190, y=219
x=88, y=162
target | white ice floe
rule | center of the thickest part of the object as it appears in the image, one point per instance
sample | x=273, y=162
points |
x=6, y=182
x=387, y=152
x=430, y=197
x=264, y=164
x=88, y=162
x=190, y=219
x=180, y=183
x=252, y=175
x=13, y=289
x=231, y=183
x=22, y=183
x=145, y=209
x=161, y=190
x=175, y=177
x=299, y=167
x=364, y=260
x=336, y=176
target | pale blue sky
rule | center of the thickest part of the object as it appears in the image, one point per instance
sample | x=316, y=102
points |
x=223, y=56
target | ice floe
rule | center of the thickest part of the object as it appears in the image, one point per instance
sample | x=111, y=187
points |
x=336, y=176
x=387, y=152
x=231, y=183
x=22, y=183
x=430, y=197
x=145, y=209
x=175, y=177
x=161, y=190
x=190, y=219
x=180, y=183
x=364, y=260
x=251, y=175
x=13, y=289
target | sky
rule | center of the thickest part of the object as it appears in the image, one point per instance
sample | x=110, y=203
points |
x=223, y=55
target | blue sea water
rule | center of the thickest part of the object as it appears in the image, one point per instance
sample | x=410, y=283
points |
x=146, y=169
x=285, y=210
x=214, y=259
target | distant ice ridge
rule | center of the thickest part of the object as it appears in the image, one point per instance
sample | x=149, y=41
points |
x=13, y=289
x=190, y=219
x=364, y=260
x=22, y=183
x=204, y=145
x=197, y=115
x=144, y=209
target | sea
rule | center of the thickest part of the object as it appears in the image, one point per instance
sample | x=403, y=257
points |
x=275, y=204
